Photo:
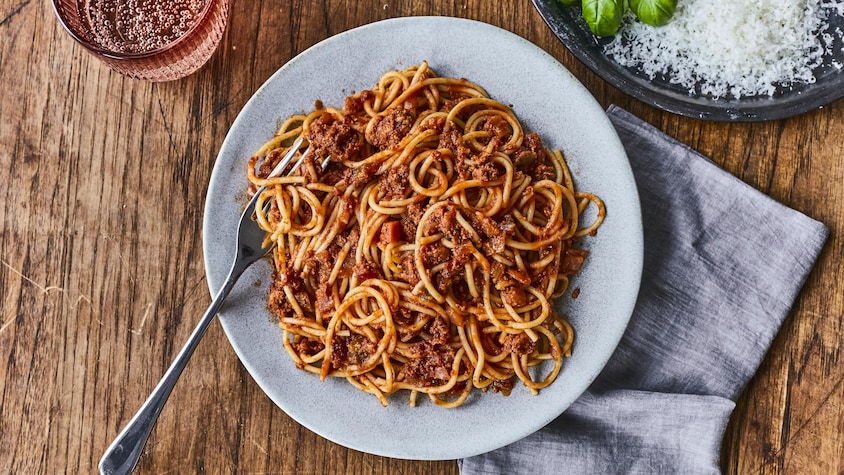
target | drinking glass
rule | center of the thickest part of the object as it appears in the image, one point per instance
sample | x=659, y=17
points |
x=152, y=40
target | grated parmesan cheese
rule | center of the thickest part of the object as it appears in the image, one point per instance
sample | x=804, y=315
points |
x=732, y=48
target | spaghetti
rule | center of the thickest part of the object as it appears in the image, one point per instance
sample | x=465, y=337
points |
x=421, y=242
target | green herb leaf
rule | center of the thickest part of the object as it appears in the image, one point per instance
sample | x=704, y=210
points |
x=654, y=12
x=603, y=16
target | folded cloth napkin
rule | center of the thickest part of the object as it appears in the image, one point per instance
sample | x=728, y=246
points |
x=723, y=265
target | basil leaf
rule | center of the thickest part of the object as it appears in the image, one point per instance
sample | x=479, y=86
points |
x=603, y=16
x=653, y=12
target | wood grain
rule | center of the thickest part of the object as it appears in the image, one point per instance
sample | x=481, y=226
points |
x=103, y=180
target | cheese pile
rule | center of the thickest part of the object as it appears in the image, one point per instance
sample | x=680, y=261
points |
x=731, y=48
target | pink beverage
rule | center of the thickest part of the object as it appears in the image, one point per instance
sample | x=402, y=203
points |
x=154, y=40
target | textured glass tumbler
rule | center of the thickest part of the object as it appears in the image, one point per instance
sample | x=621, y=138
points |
x=173, y=60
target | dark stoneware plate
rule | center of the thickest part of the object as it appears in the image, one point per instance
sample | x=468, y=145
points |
x=568, y=25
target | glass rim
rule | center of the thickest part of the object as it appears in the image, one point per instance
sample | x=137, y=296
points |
x=122, y=56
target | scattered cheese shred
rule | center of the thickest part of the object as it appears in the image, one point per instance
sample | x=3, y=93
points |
x=736, y=48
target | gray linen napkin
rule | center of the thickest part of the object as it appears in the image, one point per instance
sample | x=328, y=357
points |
x=723, y=265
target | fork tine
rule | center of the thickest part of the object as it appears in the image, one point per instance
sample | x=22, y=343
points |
x=289, y=156
x=301, y=159
x=285, y=160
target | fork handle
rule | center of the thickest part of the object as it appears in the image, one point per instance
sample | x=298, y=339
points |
x=120, y=458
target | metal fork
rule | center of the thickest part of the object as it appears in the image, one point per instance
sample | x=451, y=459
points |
x=120, y=458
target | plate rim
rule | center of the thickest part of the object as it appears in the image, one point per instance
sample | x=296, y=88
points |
x=214, y=281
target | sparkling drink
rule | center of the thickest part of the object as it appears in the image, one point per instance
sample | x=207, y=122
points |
x=154, y=40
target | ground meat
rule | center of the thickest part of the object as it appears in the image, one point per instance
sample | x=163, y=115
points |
x=269, y=163
x=493, y=234
x=450, y=103
x=498, y=128
x=533, y=143
x=497, y=233
x=434, y=253
x=459, y=257
x=404, y=316
x=409, y=219
x=351, y=350
x=354, y=104
x=463, y=298
x=304, y=301
x=442, y=282
x=306, y=346
x=429, y=364
x=360, y=176
x=444, y=219
x=395, y=183
x=332, y=174
x=405, y=319
x=275, y=213
x=351, y=236
x=335, y=137
x=509, y=281
x=541, y=277
x=528, y=194
x=500, y=276
x=530, y=159
x=462, y=158
x=542, y=172
x=451, y=139
x=391, y=128
x=292, y=279
x=433, y=123
x=485, y=169
x=514, y=296
x=350, y=204
x=572, y=261
x=322, y=263
x=324, y=298
x=520, y=276
x=456, y=97
x=503, y=386
x=439, y=330
x=437, y=156
x=366, y=270
x=507, y=225
x=408, y=273
x=519, y=344
x=277, y=302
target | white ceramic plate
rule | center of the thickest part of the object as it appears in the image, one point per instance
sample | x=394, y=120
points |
x=548, y=100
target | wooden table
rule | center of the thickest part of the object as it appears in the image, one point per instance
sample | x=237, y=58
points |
x=103, y=181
